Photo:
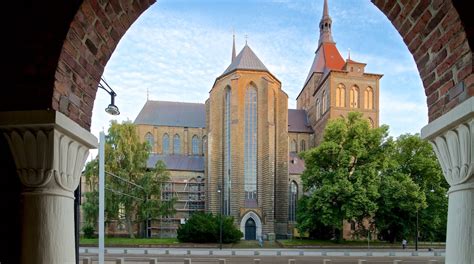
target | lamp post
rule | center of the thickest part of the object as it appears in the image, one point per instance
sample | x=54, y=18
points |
x=113, y=110
x=220, y=217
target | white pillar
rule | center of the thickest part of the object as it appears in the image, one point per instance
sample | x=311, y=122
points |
x=452, y=137
x=49, y=151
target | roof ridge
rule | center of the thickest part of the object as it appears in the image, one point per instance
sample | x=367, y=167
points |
x=164, y=101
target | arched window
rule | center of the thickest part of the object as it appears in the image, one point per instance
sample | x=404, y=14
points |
x=227, y=151
x=341, y=95
x=176, y=145
x=293, y=198
x=250, y=155
x=166, y=144
x=293, y=145
x=150, y=141
x=195, y=142
x=324, y=103
x=318, y=109
x=302, y=145
x=354, y=97
x=369, y=98
x=204, y=145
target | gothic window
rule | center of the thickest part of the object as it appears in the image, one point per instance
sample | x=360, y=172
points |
x=166, y=144
x=250, y=155
x=176, y=145
x=354, y=97
x=318, y=109
x=369, y=98
x=324, y=103
x=195, y=142
x=293, y=146
x=204, y=145
x=293, y=198
x=150, y=141
x=227, y=151
x=328, y=101
x=341, y=95
x=302, y=145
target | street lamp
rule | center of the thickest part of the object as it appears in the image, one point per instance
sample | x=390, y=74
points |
x=112, y=108
x=220, y=217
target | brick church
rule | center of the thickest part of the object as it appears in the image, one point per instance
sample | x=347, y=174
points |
x=236, y=154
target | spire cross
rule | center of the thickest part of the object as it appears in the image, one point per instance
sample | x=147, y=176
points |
x=147, y=94
x=349, y=54
x=246, y=38
x=233, y=45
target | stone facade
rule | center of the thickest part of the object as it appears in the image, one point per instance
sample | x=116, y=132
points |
x=272, y=148
x=251, y=169
x=185, y=134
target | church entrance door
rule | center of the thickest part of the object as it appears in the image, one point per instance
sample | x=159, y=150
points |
x=250, y=230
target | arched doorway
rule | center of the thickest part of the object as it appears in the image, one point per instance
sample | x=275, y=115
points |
x=250, y=229
x=251, y=226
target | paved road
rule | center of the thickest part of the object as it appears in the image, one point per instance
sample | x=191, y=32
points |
x=273, y=256
x=265, y=259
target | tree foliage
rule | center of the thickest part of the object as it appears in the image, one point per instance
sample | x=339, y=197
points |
x=205, y=228
x=358, y=173
x=412, y=182
x=132, y=189
x=341, y=174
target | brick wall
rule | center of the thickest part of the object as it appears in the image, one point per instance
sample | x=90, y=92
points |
x=92, y=37
x=272, y=146
x=435, y=35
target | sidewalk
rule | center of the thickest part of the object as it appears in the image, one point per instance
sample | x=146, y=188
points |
x=335, y=252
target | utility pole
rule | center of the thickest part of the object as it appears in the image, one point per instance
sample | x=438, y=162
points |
x=101, y=196
x=220, y=218
x=416, y=238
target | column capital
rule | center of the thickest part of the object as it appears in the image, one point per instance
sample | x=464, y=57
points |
x=452, y=138
x=48, y=148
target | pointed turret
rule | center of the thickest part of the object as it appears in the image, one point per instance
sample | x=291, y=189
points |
x=325, y=26
x=327, y=56
x=233, y=48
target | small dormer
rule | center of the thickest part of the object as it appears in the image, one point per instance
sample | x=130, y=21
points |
x=354, y=67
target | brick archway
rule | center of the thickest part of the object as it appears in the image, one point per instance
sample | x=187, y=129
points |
x=82, y=35
x=57, y=51
x=440, y=40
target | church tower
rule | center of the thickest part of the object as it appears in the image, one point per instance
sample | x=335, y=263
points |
x=247, y=170
x=334, y=86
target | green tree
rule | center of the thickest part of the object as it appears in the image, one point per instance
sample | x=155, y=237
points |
x=205, y=227
x=341, y=174
x=412, y=182
x=132, y=189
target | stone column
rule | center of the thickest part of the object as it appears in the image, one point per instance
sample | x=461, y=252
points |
x=452, y=137
x=49, y=151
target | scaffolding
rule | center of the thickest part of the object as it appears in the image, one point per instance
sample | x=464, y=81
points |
x=189, y=197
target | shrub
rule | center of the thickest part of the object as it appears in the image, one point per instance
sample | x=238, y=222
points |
x=204, y=228
x=88, y=231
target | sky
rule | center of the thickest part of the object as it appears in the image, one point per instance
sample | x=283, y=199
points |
x=176, y=49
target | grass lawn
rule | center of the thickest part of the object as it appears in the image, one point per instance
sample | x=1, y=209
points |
x=348, y=243
x=286, y=243
x=130, y=241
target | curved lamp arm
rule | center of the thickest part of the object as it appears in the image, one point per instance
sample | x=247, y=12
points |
x=112, y=108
